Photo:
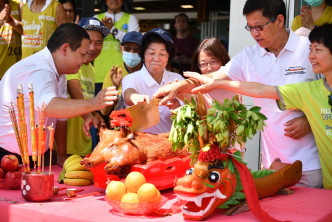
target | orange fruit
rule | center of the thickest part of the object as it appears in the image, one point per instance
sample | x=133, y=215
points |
x=134, y=180
x=130, y=198
x=148, y=193
x=115, y=190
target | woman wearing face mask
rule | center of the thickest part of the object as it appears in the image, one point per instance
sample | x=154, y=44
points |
x=319, y=13
x=157, y=51
x=131, y=63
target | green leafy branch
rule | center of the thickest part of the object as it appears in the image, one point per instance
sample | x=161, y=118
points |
x=224, y=124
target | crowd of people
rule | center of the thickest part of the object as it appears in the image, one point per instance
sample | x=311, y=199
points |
x=84, y=68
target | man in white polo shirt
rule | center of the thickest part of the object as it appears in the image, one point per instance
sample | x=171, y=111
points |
x=279, y=57
x=64, y=54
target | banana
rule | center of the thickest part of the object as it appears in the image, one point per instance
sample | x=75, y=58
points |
x=76, y=167
x=79, y=175
x=71, y=158
x=77, y=182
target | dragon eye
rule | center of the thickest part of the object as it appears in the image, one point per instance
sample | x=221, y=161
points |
x=214, y=177
x=190, y=171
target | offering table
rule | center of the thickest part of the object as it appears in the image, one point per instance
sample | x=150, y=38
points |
x=305, y=204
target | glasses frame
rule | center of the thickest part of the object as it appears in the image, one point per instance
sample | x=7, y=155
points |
x=259, y=28
x=208, y=63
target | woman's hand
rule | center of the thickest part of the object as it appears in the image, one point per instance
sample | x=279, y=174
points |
x=306, y=18
x=206, y=84
x=173, y=104
x=138, y=98
x=116, y=76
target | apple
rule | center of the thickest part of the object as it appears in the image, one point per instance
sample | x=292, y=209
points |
x=9, y=163
x=2, y=174
x=13, y=175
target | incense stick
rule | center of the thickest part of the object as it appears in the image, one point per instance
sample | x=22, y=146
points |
x=50, y=144
x=32, y=124
x=23, y=126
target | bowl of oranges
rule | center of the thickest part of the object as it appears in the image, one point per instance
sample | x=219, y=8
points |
x=134, y=195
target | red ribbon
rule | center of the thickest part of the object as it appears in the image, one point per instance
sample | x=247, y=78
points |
x=250, y=192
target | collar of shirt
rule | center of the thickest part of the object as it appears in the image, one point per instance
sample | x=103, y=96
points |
x=149, y=80
x=291, y=43
x=48, y=57
x=117, y=16
x=45, y=6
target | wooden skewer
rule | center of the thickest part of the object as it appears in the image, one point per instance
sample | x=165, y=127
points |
x=83, y=195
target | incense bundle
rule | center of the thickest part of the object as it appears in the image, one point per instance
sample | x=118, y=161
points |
x=23, y=126
x=32, y=125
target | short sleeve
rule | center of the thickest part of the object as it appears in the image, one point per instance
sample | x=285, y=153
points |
x=290, y=97
x=72, y=76
x=233, y=69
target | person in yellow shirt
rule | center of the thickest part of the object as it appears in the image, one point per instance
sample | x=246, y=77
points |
x=82, y=86
x=39, y=20
x=318, y=14
x=10, y=34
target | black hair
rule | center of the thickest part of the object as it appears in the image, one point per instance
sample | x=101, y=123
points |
x=67, y=33
x=322, y=35
x=155, y=38
x=183, y=15
x=72, y=2
x=270, y=8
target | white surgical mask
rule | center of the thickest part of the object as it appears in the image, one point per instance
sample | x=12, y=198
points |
x=315, y=2
x=131, y=59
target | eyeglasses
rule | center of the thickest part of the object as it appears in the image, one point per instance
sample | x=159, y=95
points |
x=204, y=65
x=131, y=49
x=259, y=27
x=330, y=100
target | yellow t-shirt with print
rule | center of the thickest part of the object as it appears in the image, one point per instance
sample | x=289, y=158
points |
x=77, y=142
x=312, y=99
x=10, y=41
x=37, y=28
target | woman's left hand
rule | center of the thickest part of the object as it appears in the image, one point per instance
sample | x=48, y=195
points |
x=206, y=83
x=138, y=98
x=306, y=18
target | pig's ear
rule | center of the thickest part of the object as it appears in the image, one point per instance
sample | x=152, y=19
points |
x=102, y=130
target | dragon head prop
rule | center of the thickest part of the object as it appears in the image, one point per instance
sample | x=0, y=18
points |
x=219, y=178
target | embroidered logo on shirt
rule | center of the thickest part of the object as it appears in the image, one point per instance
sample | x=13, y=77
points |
x=295, y=70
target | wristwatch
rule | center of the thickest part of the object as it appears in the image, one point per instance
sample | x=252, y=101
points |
x=115, y=31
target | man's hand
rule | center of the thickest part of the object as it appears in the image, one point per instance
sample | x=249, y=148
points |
x=306, y=18
x=5, y=14
x=108, y=22
x=116, y=76
x=297, y=127
x=105, y=97
x=92, y=120
x=206, y=83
